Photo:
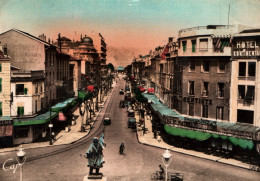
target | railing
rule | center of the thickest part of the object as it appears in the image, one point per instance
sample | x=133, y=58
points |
x=206, y=27
x=246, y=78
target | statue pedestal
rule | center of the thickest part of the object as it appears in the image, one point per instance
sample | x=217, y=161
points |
x=94, y=177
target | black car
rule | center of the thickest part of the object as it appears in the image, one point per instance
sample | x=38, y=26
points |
x=122, y=104
x=131, y=123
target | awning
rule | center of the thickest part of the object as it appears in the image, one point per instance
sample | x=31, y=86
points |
x=202, y=136
x=62, y=105
x=83, y=95
x=151, y=90
x=171, y=117
x=39, y=119
x=90, y=88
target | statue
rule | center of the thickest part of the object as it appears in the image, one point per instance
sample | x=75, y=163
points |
x=94, y=155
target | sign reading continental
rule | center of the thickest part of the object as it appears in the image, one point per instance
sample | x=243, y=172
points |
x=246, y=49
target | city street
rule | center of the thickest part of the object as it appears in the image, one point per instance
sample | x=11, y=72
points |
x=138, y=162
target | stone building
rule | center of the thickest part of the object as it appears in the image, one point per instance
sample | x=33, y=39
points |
x=245, y=77
x=6, y=123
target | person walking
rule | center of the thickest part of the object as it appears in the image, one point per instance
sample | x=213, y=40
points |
x=121, y=148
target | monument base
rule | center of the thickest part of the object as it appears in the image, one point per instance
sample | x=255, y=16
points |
x=94, y=177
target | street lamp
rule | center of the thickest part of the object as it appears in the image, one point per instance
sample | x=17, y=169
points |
x=82, y=117
x=166, y=158
x=21, y=157
x=50, y=126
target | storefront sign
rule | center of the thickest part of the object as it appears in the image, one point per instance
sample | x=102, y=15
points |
x=197, y=100
x=6, y=122
x=246, y=49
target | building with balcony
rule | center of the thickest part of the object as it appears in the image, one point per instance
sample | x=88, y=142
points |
x=204, y=69
x=245, y=78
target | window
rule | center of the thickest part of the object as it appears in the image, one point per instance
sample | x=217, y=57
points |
x=203, y=44
x=193, y=42
x=20, y=89
x=20, y=111
x=21, y=131
x=220, y=113
x=1, y=111
x=242, y=69
x=221, y=66
x=205, y=111
x=250, y=94
x=0, y=67
x=191, y=109
x=191, y=88
x=251, y=69
x=205, y=90
x=192, y=66
x=220, y=90
x=205, y=66
x=241, y=91
x=244, y=116
x=36, y=88
x=184, y=43
x=0, y=84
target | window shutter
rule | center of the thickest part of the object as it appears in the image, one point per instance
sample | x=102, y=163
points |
x=0, y=67
x=1, y=112
x=0, y=84
x=25, y=91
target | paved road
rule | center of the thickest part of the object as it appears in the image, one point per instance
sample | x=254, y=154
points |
x=138, y=163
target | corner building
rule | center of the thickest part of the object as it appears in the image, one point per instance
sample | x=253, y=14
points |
x=203, y=71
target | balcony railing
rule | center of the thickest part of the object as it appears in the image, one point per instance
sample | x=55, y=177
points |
x=246, y=78
x=204, y=51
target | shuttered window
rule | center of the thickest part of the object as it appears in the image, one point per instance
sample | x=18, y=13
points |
x=1, y=111
x=0, y=84
x=203, y=44
x=184, y=43
x=20, y=111
x=0, y=67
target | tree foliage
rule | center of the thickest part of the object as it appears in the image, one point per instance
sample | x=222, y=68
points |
x=111, y=67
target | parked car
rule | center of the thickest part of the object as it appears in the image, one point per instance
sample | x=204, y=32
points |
x=131, y=113
x=122, y=104
x=121, y=91
x=107, y=121
x=131, y=123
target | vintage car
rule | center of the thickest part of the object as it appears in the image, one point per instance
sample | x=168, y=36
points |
x=131, y=113
x=121, y=91
x=107, y=121
x=131, y=123
x=122, y=104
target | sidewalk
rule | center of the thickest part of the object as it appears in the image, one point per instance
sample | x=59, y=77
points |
x=64, y=136
x=148, y=139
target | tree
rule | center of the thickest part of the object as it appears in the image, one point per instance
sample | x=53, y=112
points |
x=111, y=67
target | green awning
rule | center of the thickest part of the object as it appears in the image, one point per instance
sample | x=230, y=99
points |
x=39, y=119
x=62, y=105
x=202, y=136
x=84, y=95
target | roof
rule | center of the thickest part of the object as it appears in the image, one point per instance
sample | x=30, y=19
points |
x=29, y=35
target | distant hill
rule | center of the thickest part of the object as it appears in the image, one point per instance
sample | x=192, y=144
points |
x=123, y=56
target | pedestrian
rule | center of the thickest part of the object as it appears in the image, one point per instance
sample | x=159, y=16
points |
x=161, y=171
x=155, y=134
x=121, y=148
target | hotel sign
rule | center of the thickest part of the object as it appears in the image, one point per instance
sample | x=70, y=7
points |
x=6, y=122
x=246, y=49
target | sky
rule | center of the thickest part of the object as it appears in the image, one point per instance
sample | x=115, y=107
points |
x=139, y=24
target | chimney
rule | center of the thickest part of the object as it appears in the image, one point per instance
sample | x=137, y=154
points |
x=5, y=49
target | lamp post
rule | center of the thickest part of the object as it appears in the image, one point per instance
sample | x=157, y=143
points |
x=166, y=158
x=21, y=157
x=82, y=113
x=50, y=126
